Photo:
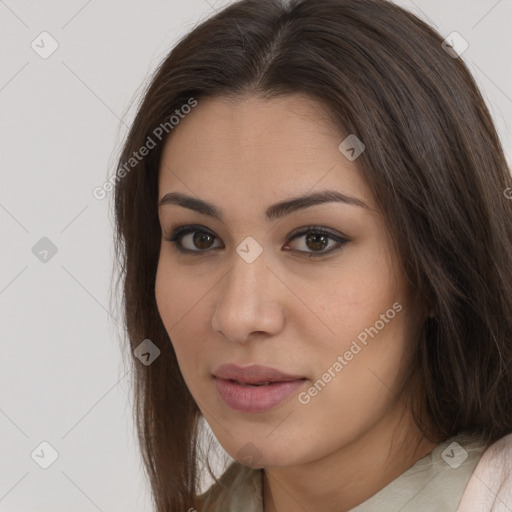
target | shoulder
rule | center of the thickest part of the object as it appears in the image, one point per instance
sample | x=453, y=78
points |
x=490, y=487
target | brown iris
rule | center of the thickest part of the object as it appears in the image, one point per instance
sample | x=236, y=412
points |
x=200, y=238
x=318, y=241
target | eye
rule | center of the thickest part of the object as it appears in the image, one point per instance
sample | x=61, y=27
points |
x=201, y=240
x=317, y=239
x=195, y=236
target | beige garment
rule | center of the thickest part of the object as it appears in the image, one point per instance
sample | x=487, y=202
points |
x=435, y=483
x=490, y=486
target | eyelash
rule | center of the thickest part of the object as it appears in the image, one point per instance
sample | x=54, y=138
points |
x=181, y=231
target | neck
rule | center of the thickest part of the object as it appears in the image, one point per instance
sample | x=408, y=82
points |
x=350, y=475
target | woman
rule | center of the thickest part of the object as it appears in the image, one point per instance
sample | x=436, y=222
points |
x=314, y=231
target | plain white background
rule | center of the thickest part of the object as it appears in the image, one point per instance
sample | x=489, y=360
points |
x=62, y=378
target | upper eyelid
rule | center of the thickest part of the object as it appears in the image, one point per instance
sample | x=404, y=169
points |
x=183, y=229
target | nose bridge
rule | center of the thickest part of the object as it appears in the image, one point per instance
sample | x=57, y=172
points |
x=247, y=282
x=248, y=300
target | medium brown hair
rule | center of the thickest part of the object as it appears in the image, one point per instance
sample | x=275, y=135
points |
x=433, y=161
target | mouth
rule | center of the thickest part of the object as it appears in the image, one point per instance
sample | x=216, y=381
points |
x=250, y=385
x=255, y=388
x=253, y=375
x=268, y=383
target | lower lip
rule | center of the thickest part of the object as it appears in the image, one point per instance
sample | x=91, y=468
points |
x=256, y=399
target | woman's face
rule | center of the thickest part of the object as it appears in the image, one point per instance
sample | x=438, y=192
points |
x=253, y=287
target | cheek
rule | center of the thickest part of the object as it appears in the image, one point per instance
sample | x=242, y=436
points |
x=179, y=304
x=366, y=314
x=356, y=396
x=353, y=299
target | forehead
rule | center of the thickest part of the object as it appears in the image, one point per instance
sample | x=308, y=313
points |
x=259, y=149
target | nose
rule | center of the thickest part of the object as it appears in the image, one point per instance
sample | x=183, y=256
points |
x=249, y=301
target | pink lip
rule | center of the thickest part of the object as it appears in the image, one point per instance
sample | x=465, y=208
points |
x=253, y=374
x=229, y=379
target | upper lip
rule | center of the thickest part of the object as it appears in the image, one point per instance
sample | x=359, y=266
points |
x=254, y=374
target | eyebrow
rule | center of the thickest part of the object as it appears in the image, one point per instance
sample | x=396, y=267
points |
x=274, y=211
